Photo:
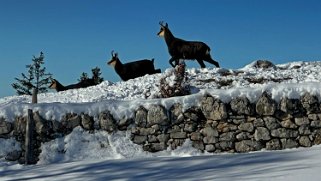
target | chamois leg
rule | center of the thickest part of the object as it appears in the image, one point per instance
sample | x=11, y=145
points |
x=201, y=63
x=210, y=60
x=172, y=60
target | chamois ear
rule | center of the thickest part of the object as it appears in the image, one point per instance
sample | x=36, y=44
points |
x=166, y=25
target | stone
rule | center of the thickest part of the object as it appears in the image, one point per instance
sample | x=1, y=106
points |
x=178, y=135
x=5, y=127
x=317, y=139
x=316, y=124
x=305, y=141
x=264, y=64
x=210, y=139
x=156, y=127
x=247, y=145
x=290, y=106
x=56, y=125
x=225, y=145
x=273, y=144
x=304, y=130
x=196, y=136
x=139, y=139
x=288, y=124
x=243, y=136
x=225, y=127
x=271, y=122
x=262, y=133
x=163, y=138
x=175, y=128
x=258, y=122
x=310, y=103
x=141, y=117
x=209, y=131
x=69, y=122
x=191, y=127
x=87, y=122
x=135, y=130
x=198, y=145
x=157, y=115
x=284, y=133
x=107, y=122
x=266, y=106
x=213, y=109
x=193, y=115
x=176, y=114
x=289, y=143
x=155, y=147
x=13, y=156
x=246, y=127
x=314, y=117
x=301, y=121
x=238, y=121
x=242, y=106
x=174, y=143
x=229, y=136
x=210, y=148
x=146, y=131
x=152, y=139
x=44, y=128
x=19, y=128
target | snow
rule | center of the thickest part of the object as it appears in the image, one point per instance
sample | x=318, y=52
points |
x=101, y=156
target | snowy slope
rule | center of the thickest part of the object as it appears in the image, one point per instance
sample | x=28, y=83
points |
x=118, y=158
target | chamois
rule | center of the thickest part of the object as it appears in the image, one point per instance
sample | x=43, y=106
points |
x=82, y=84
x=133, y=69
x=181, y=49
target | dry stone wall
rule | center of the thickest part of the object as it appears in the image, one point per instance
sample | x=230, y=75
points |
x=214, y=126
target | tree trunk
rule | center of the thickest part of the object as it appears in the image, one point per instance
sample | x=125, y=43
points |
x=35, y=96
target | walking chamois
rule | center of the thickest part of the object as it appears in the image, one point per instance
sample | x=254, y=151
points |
x=181, y=49
x=134, y=69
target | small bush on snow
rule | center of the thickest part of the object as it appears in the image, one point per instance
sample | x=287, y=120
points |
x=174, y=83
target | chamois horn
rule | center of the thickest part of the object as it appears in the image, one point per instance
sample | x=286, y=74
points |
x=162, y=24
x=114, y=54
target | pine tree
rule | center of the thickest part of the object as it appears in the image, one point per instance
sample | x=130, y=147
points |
x=83, y=76
x=96, y=75
x=37, y=78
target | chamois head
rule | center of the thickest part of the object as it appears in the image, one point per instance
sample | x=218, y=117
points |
x=114, y=59
x=53, y=84
x=163, y=28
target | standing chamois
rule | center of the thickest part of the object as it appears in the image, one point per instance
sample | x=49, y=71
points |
x=181, y=49
x=134, y=69
x=82, y=84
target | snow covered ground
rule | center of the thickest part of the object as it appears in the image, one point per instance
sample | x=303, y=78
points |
x=100, y=156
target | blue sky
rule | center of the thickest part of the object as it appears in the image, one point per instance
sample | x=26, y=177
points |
x=78, y=35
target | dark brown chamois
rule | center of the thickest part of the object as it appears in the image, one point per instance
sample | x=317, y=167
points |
x=134, y=69
x=181, y=49
x=82, y=84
